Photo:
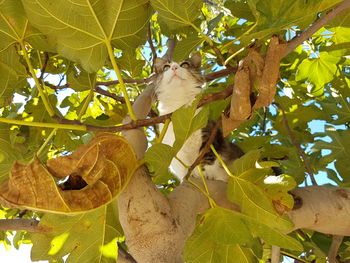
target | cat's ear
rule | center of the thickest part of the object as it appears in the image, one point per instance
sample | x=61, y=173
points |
x=159, y=63
x=196, y=60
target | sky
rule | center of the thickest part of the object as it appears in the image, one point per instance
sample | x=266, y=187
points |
x=12, y=255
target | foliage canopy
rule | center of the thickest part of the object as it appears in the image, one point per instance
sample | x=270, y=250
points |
x=71, y=68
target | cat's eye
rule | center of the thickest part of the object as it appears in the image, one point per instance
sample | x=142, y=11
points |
x=166, y=67
x=185, y=64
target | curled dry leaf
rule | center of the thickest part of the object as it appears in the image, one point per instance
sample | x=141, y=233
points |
x=105, y=164
x=254, y=71
x=249, y=71
x=270, y=75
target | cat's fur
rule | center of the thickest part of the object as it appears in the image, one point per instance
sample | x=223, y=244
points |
x=177, y=84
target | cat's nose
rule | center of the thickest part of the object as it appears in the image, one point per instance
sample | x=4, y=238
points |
x=174, y=67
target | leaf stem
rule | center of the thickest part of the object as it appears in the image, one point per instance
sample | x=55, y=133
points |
x=42, y=92
x=221, y=161
x=211, y=201
x=53, y=132
x=44, y=125
x=238, y=38
x=294, y=257
x=88, y=99
x=120, y=79
x=162, y=133
x=180, y=161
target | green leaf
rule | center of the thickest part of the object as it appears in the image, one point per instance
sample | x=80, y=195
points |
x=271, y=235
x=246, y=162
x=240, y=10
x=8, y=153
x=298, y=118
x=177, y=13
x=212, y=24
x=200, y=249
x=340, y=144
x=318, y=70
x=159, y=156
x=185, y=122
x=255, y=203
x=14, y=27
x=224, y=227
x=340, y=26
x=339, y=147
x=274, y=16
x=83, y=30
x=13, y=74
x=82, y=81
x=277, y=188
x=186, y=46
x=129, y=62
x=81, y=236
x=338, y=106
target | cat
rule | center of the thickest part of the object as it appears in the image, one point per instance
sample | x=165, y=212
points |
x=176, y=85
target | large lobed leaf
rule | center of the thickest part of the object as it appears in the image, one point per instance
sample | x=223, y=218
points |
x=177, y=13
x=81, y=29
x=98, y=172
x=89, y=237
x=274, y=16
x=224, y=235
x=12, y=74
x=186, y=121
x=257, y=196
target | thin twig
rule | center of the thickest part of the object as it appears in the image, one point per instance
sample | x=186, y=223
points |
x=208, y=77
x=150, y=42
x=143, y=122
x=297, y=146
x=20, y=224
x=293, y=43
x=109, y=94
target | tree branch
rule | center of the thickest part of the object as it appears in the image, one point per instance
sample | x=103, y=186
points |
x=150, y=42
x=20, y=225
x=109, y=94
x=292, y=44
x=144, y=122
x=333, y=250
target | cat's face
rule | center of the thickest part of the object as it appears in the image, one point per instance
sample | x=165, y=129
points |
x=170, y=72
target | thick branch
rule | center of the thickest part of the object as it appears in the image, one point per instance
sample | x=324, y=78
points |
x=322, y=209
x=292, y=44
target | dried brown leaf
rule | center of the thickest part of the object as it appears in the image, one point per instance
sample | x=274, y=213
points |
x=240, y=110
x=106, y=164
x=270, y=75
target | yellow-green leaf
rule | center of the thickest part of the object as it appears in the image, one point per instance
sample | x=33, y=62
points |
x=82, y=29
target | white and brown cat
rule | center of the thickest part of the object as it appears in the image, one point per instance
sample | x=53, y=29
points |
x=176, y=85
